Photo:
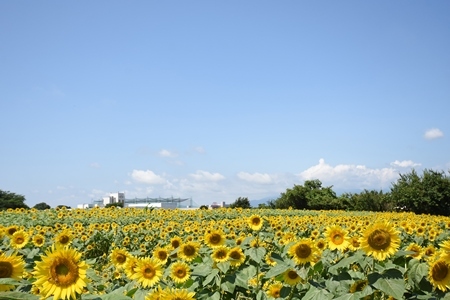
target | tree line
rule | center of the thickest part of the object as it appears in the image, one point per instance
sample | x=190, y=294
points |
x=426, y=193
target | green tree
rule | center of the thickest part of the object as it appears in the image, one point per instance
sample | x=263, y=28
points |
x=242, y=202
x=426, y=194
x=11, y=200
x=42, y=206
x=310, y=195
x=367, y=200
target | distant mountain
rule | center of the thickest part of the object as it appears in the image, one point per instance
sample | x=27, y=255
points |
x=265, y=200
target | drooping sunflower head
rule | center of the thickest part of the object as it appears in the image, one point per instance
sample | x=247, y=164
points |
x=215, y=238
x=148, y=272
x=303, y=251
x=11, y=266
x=237, y=256
x=291, y=277
x=19, y=239
x=61, y=273
x=180, y=272
x=188, y=251
x=119, y=257
x=220, y=254
x=380, y=240
x=439, y=274
x=337, y=238
x=255, y=222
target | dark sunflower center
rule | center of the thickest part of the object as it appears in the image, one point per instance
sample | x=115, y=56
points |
x=175, y=243
x=303, y=251
x=379, y=239
x=235, y=255
x=292, y=274
x=215, y=238
x=337, y=239
x=19, y=240
x=221, y=254
x=63, y=272
x=149, y=272
x=162, y=255
x=120, y=258
x=64, y=239
x=180, y=273
x=440, y=271
x=256, y=221
x=6, y=269
x=188, y=250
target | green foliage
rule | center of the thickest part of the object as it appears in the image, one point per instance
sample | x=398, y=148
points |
x=42, y=206
x=11, y=200
x=311, y=195
x=241, y=202
x=426, y=194
x=366, y=201
x=117, y=204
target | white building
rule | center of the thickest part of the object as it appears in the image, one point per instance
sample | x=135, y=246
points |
x=114, y=198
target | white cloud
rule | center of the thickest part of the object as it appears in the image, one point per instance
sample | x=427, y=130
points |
x=255, y=177
x=350, y=176
x=207, y=176
x=433, y=133
x=147, y=177
x=404, y=164
x=199, y=149
x=166, y=153
x=95, y=165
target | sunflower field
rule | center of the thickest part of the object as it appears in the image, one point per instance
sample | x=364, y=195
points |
x=144, y=254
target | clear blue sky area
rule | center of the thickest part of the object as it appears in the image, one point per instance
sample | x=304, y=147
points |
x=216, y=100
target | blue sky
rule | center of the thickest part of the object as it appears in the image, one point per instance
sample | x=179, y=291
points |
x=216, y=100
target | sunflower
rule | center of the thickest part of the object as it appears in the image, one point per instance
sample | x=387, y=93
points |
x=188, y=251
x=60, y=273
x=148, y=272
x=156, y=294
x=178, y=294
x=291, y=277
x=180, y=272
x=304, y=251
x=337, y=238
x=215, y=238
x=269, y=260
x=237, y=257
x=11, y=266
x=359, y=286
x=439, y=274
x=417, y=249
x=119, y=257
x=38, y=240
x=220, y=254
x=129, y=266
x=380, y=240
x=274, y=290
x=64, y=238
x=354, y=243
x=19, y=239
x=161, y=254
x=255, y=222
x=11, y=229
